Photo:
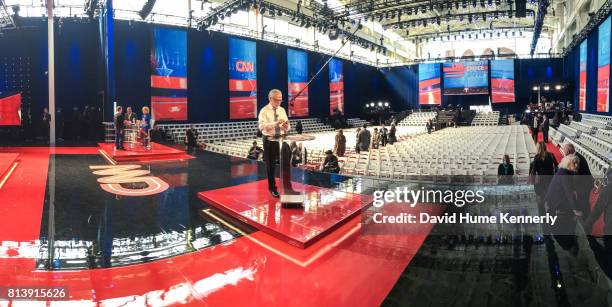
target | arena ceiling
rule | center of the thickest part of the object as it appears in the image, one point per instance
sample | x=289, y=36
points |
x=376, y=31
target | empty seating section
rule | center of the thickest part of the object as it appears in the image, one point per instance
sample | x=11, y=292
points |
x=486, y=119
x=215, y=132
x=592, y=138
x=583, y=127
x=356, y=122
x=417, y=119
x=316, y=148
x=464, y=151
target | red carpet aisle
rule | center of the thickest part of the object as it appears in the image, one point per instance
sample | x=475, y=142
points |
x=551, y=147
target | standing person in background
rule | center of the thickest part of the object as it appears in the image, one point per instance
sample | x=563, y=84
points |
x=364, y=138
x=191, y=138
x=392, y=137
x=560, y=201
x=545, y=126
x=375, y=139
x=130, y=116
x=383, y=136
x=145, y=126
x=273, y=123
x=542, y=168
x=535, y=127
x=46, y=122
x=298, y=127
x=340, y=144
x=119, y=126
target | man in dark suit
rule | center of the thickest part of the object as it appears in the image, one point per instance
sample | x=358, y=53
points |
x=130, y=116
x=119, y=127
x=363, y=138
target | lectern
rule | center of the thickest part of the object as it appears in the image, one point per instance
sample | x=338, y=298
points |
x=290, y=193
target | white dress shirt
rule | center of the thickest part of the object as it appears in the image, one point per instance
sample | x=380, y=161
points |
x=267, y=124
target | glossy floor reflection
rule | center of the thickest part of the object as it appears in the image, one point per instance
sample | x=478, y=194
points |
x=58, y=227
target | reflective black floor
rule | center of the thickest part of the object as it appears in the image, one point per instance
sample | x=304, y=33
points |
x=86, y=227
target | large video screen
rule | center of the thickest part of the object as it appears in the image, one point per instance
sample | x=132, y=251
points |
x=297, y=70
x=502, y=81
x=429, y=84
x=583, y=77
x=10, y=106
x=243, y=79
x=603, y=67
x=169, y=74
x=466, y=78
x=336, y=87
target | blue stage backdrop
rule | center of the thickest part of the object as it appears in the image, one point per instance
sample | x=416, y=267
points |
x=603, y=67
x=297, y=72
x=502, y=81
x=583, y=76
x=169, y=74
x=429, y=84
x=466, y=78
x=243, y=79
x=336, y=86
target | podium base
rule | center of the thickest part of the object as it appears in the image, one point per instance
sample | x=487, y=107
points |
x=322, y=211
x=292, y=199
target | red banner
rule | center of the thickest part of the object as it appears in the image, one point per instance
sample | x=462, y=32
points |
x=9, y=110
x=168, y=82
x=167, y=110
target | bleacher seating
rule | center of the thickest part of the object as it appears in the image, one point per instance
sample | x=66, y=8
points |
x=417, y=119
x=591, y=137
x=445, y=117
x=215, y=132
x=486, y=119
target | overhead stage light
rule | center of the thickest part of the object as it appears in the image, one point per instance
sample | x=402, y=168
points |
x=558, y=87
x=535, y=88
x=546, y=87
x=146, y=9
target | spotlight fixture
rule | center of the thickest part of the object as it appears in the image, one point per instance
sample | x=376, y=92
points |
x=535, y=88
x=546, y=87
x=146, y=9
x=386, y=104
x=558, y=87
x=380, y=104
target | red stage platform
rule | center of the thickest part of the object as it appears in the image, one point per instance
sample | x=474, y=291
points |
x=158, y=152
x=7, y=164
x=324, y=210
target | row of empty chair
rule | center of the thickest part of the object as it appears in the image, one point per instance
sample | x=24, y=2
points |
x=465, y=151
x=316, y=148
x=486, y=119
x=417, y=119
